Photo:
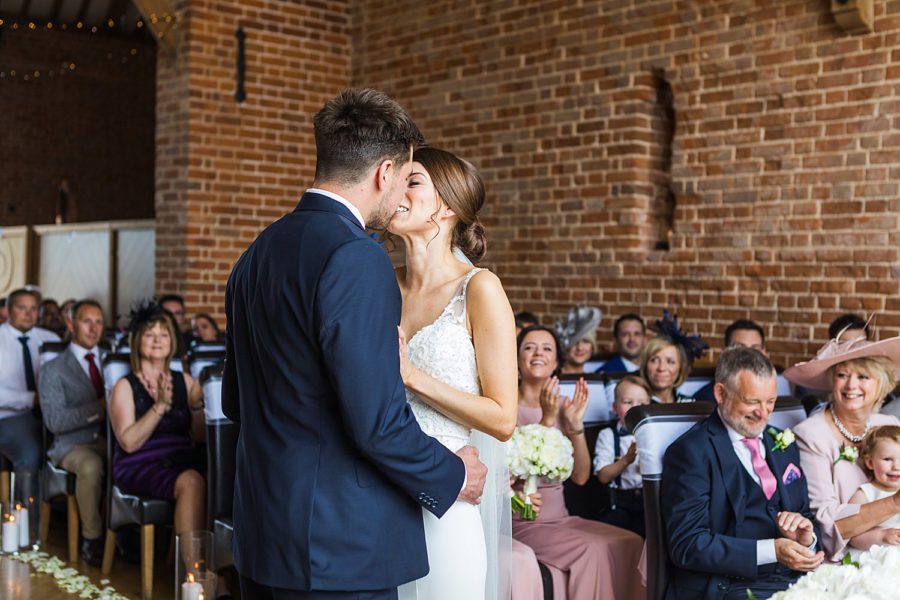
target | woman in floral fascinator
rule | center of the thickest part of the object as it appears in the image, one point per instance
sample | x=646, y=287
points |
x=859, y=374
x=667, y=359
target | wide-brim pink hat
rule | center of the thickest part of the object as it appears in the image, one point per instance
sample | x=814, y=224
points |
x=814, y=374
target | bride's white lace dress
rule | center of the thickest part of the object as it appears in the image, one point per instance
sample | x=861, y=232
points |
x=456, y=542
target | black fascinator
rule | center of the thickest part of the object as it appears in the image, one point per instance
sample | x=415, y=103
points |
x=667, y=327
x=144, y=311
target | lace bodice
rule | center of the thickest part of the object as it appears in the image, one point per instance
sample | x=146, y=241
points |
x=445, y=351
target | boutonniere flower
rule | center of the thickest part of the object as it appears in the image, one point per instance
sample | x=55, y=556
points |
x=783, y=438
x=848, y=453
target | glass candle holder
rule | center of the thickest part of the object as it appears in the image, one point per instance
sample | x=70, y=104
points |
x=195, y=575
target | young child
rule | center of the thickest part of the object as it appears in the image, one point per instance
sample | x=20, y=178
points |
x=615, y=459
x=880, y=451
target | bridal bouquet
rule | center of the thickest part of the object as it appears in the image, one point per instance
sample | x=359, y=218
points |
x=876, y=576
x=535, y=451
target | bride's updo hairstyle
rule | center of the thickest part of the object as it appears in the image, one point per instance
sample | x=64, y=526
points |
x=460, y=186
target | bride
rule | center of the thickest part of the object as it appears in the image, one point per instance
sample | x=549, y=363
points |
x=452, y=313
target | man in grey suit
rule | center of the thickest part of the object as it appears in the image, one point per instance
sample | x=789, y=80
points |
x=73, y=401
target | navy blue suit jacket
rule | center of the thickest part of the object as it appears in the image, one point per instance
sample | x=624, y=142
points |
x=332, y=467
x=703, y=492
x=613, y=365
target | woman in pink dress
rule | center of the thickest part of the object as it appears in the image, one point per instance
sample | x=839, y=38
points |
x=859, y=374
x=596, y=559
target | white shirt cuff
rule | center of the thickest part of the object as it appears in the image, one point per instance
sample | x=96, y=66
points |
x=765, y=552
x=465, y=478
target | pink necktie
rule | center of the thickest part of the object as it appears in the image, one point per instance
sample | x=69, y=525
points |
x=766, y=479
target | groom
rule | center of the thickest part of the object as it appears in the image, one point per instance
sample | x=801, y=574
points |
x=332, y=468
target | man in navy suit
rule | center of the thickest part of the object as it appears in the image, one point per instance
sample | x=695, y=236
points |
x=332, y=468
x=630, y=336
x=737, y=513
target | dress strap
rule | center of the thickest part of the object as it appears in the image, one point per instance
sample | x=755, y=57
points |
x=458, y=309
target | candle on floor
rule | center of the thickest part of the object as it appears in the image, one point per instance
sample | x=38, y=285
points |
x=22, y=518
x=190, y=589
x=10, y=533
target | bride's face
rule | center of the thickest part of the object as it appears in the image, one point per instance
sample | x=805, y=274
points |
x=417, y=209
x=537, y=356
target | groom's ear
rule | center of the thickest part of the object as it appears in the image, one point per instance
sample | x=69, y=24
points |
x=383, y=174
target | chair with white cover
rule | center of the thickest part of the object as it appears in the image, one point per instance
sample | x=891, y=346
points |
x=221, y=449
x=655, y=427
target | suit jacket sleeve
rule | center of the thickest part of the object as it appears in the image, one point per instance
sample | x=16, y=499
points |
x=59, y=416
x=693, y=545
x=230, y=397
x=358, y=310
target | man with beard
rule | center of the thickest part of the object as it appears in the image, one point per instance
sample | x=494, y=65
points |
x=737, y=513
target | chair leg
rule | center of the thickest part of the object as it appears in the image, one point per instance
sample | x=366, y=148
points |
x=146, y=562
x=4, y=485
x=45, y=521
x=73, y=519
x=109, y=550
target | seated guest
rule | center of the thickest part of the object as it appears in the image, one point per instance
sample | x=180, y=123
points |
x=859, y=374
x=50, y=317
x=736, y=507
x=4, y=314
x=630, y=338
x=847, y=327
x=74, y=403
x=599, y=560
x=20, y=364
x=174, y=305
x=615, y=459
x=742, y=332
x=524, y=319
x=205, y=329
x=880, y=454
x=667, y=359
x=578, y=335
x=156, y=415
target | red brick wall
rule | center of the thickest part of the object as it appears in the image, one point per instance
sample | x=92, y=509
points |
x=784, y=156
x=92, y=126
x=226, y=170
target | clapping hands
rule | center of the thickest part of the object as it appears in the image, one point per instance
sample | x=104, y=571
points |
x=573, y=409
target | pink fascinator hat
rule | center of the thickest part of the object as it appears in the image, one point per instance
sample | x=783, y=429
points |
x=814, y=374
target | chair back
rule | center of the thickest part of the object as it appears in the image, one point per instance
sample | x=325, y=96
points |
x=696, y=379
x=655, y=427
x=221, y=447
x=599, y=409
x=789, y=412
x=200, y=359
x=198, y=346
x=115, y=367
x=50, y=350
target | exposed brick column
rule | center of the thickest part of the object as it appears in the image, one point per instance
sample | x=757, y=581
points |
x=226, y=170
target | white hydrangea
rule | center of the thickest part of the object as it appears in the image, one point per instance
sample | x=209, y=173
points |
x=877, y=578
x=538, y=451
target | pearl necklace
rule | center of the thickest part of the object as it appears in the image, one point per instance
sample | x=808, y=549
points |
x=853, y=438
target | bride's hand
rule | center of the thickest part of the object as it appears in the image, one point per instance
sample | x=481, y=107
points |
x=406, y=368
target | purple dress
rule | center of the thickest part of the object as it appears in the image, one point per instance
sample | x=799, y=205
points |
x=146, y=471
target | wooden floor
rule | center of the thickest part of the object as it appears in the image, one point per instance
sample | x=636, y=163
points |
x=16, y=582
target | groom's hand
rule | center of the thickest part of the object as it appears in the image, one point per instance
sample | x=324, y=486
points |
x=475, y=474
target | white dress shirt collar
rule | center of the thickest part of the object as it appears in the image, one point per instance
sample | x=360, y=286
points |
x=342, y=200
x=80, y=352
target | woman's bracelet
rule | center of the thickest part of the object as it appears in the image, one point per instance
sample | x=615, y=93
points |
x=577, y=431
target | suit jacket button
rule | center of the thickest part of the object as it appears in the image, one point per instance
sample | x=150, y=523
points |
x=722, y=586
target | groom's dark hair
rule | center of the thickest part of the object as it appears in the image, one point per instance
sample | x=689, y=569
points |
x=358, y=129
